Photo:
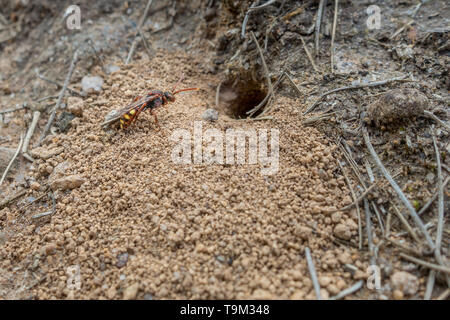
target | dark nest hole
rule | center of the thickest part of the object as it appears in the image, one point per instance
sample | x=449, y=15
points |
x=240, y=94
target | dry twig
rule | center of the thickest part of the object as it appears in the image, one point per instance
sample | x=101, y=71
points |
x=333, y=34
x=397, y=189
x=312, y=272
x=12, y=160
x=60, y=97
x=356, y=86
x=141, y=23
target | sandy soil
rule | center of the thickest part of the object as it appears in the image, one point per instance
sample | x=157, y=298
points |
x=123, y=221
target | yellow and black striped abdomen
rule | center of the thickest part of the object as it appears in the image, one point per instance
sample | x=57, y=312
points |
x=127, y=118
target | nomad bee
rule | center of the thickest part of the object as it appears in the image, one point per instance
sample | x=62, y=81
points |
x=152, y=100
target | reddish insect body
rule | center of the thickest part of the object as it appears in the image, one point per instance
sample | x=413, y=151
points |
x=150, y=101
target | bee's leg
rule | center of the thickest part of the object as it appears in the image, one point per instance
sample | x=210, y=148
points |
x=137, y=98
x=137, y=112
x=156, y=119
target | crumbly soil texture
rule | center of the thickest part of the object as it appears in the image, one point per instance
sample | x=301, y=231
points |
x=94, y=212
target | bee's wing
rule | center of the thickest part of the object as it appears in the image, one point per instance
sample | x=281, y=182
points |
x=115, y=115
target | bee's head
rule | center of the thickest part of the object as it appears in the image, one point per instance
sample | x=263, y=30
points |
x=169, y=96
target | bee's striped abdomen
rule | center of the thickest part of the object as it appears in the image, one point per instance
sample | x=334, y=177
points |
x=126, y=119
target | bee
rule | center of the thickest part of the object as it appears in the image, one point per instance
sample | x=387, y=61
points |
x=150, y=101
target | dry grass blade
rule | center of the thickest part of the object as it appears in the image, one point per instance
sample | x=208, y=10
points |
x=269, y=83
x=427, y=264
x=430, y=285
x=310, y=57
x=406, y=224
x=320, y=11
x=439, y=121
x=30, y=131
x=348, y=291
x=60, y=97
x=429, y=202
x=12, y=160
x=141, y=23
x=312, y=272
x=347, y=179
x=356, y=86
x=333, y=33
x=440, y=225
x=397, y=189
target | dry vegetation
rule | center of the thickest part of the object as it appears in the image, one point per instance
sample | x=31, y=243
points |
x=363, y=154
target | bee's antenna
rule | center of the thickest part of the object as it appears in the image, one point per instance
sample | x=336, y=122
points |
x=189, y=89
x=176, y=85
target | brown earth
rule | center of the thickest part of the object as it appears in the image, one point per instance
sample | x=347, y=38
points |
x=137, y=225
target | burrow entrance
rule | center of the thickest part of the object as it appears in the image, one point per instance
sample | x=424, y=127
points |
x=240, y=94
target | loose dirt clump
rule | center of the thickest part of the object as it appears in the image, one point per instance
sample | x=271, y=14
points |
x=397, y=106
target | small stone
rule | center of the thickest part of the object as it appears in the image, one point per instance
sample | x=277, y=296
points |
x=303, y=232
x=397, y=295
x=407, y=283
x=397, y=106
x=111, y=68
x=324, y=281
x=122, y=260
x=50, y=249
x=298, y=295
x=260, y=294
x=344, y=258
x=75, y=106
x=210, y=115
x=130, y=292
x=110, y=294
x=342, y=231
x=44, y=153
x=35, y=186
x=92, y=84
x=68, y=182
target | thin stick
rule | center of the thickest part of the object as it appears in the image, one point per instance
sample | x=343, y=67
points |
x=380, y=221
x=388, y=224
x=348, y=291
x=429, y=202
x=358, y=200
x=60, y=97
x=310, y=57
x=406, y=224
x=425, y=263
x=12, y=159
x=356, y=86
x=432, y=116
x=144, y=41
x=30, y=131
x=444, y=295
x=292, y=83
x=13, y=109
x=266, y=71
x=218, y=95
x=268, y=3
x=347, y=179
x=60, y=85
x=312, y=272
x=430, y=285
x=397, y=189
x=252, y=8
x=322, y=4
x=396, y=33
x=369, y=229
x=336, y=3
x=4, y=203
x=133, y=45
x=440, y=226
